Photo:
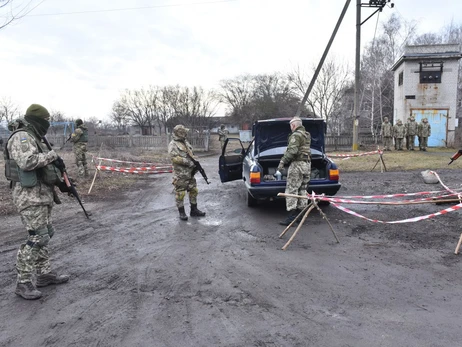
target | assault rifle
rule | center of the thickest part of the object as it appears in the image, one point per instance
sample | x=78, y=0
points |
x=455, y=156
x=70, y=187
x=68, y=139
x=199, y=168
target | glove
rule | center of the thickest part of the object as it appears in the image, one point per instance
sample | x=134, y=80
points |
x=59, y=163
x=52, y=155
x=281, y=166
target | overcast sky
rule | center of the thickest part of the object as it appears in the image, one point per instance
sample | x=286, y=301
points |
x=77, y=56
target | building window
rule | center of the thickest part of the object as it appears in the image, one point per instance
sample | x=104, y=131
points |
x=430, y=72
x=400, y=78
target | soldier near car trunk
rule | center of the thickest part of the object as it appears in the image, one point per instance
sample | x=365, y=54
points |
x=387, y=134
x=398, y=132
x=29, y=166
x=298, y=157
x=184, y=169
x=425, y=132
x=80, y=138
x=222, y=135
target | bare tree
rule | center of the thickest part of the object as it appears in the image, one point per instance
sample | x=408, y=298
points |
x=12, y=10
x=8, y=109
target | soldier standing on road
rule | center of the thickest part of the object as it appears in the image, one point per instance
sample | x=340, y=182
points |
x=411, y=132
x=33, y=171
x=80, y=139
x=425, y=132
x=399, y=132
x=298, y=156
x=222, y=135
x=180, y=150
x=387, y=134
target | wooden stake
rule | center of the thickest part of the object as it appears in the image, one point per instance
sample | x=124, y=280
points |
x=299, y=226
x=458, y=245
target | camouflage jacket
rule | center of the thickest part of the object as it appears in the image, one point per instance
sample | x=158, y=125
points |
x=387, y=129
x=80, y=135
x=222, y=134
x=411, y=128
x=399, y=131
x=298, y=146
x=23, y=148
x=425, y=130
x=178, y=150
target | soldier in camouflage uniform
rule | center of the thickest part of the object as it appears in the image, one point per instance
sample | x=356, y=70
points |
x=298, y=157
x=222, y=135
x=411, y=132
x=387, y=134
x=33, y=171
x=399, y=132
x=80, y=139
x=425, y=131
x=180, y=151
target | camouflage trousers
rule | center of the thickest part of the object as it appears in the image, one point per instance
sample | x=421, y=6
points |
x=387, y=142
x=423, y=142
x=222, y=143
x=183, y=185
x=80, y=151
x=398, y=143
x=33, y=255
x=298, y=177
x=410, y=139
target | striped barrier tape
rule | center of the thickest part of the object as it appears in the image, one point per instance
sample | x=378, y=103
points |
x=123, y=161
x=408, y=220
x=353, y=155
x=138, y=170
x=394, y=195
x=346, y=201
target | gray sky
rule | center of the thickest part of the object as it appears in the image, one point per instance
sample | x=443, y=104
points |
x=79, y=63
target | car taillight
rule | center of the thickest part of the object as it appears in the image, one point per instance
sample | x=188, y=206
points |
x=334, y=175
x=255, y=177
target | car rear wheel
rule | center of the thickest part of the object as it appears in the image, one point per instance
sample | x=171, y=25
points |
x=251, y=201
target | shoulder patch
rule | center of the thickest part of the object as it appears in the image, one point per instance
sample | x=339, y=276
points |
x=23, y=140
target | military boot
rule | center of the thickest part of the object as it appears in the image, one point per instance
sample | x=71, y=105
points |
x=51, y=278
x=195, y=212
x=290, y=217
x=27, y=291
x=183, y=215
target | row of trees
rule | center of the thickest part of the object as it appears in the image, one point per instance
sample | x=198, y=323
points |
x=251, y=97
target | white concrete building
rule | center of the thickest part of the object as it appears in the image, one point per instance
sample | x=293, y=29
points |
x=425, y=79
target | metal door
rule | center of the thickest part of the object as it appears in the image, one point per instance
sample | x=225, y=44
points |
x=438, y=122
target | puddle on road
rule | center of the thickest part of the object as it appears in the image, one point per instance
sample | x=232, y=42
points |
x=210, y=221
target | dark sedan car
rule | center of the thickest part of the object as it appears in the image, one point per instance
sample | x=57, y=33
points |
x=257, y=164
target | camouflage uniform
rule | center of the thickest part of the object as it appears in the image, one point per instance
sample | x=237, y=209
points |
x=399, y=132
x=222, y=135
x=80, y=139
x=387, y=134
x=179, y=150
x=298, y=156
x=411, y=132
x=425, y=131
x=28, y=167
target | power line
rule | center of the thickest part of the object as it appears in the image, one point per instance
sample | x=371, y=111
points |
x=129, y=8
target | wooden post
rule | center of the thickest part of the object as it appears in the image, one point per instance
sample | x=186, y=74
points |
x=458, y=245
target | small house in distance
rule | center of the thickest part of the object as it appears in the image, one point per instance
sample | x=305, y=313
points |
x=425, y=80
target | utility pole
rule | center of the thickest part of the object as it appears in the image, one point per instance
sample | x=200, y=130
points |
x=379, y=4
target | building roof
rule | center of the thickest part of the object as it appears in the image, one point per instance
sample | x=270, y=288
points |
x=429, y=52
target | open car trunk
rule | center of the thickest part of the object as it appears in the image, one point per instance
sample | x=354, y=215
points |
x=269, y=166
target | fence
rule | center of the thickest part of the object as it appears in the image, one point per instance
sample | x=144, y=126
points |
x=345, y=141
x=200, y=142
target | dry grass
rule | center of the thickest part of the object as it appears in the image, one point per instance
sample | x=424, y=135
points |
x=432, y=159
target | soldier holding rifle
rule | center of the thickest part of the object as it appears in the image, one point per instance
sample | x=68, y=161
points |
x=184, y=168
x=33, y=170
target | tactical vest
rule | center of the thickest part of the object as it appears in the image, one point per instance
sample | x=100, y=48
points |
x=304, y=152
x=48, y=174
x=84, y=137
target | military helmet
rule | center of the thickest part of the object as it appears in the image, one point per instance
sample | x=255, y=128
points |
x=78, y=122
x=399, y=121
x=385, y=119
x=222, y=126
x=181, y=131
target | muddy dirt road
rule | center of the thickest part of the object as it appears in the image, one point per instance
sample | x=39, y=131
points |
x=142, y=277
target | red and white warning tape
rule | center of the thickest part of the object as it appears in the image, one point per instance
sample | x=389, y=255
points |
x=122, y=161
x=138, y=170
x=354, y=155
x=335, y=201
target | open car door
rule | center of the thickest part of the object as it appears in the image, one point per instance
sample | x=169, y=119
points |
x=230, y=162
